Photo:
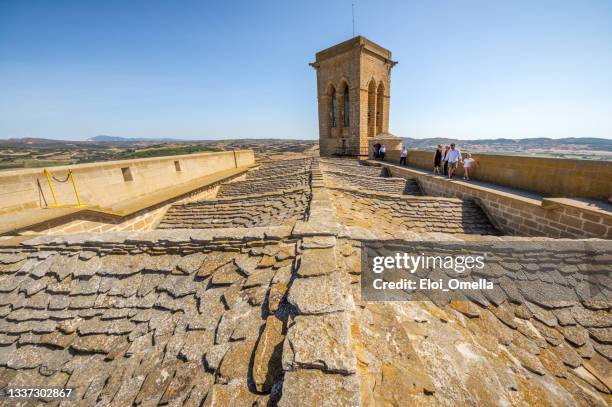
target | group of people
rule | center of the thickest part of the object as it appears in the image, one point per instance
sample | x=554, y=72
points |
x=451, y=157
x=445, y=159
x=380, y=151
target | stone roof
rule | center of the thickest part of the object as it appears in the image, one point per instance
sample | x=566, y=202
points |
x=273, y=315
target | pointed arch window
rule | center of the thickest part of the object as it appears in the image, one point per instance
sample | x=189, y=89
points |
x=380, y=94
x=371, y=108
x=334, y=108
x=346, y=108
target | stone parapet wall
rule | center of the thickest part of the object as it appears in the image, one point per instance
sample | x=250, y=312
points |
x=547, y=176
x=517, y=215
x=95, y=222
x=106, y=183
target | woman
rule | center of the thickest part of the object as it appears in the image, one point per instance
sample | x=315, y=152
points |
x=437, y=160
x=444, y=158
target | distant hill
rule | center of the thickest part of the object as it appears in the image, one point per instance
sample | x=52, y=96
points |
x=116, y=139
x=504, y=145
x=500, y=145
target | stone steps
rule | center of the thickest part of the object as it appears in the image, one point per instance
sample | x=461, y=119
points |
x=426, y=214
x=258, y=186
x=249, y=211
x=378, y=184
x=280, y=168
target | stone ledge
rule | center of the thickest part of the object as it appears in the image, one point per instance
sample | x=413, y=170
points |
x=469, y=185
x=161, y=236
x=119, y=210
x=604, y=210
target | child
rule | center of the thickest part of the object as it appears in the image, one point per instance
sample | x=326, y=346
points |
x=467, y=166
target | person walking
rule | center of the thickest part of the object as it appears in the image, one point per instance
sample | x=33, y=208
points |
x=444, y=154
x=437, y=160
x=403, y=156
x=468, y=163
x=375, y=151
x=382, y=152
x=453, y=156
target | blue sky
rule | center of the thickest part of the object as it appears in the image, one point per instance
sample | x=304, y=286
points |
x=229, y=69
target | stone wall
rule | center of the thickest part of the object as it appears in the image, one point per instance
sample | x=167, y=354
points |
x=548, y=176
x=106, y=183
x=95, y=222
x=517, y=215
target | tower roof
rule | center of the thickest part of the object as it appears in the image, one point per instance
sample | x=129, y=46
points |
x=349, y=45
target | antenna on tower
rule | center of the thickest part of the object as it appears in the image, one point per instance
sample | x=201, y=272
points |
x=353, y=13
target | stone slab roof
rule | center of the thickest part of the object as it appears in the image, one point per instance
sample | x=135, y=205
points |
x=273, y=315
x=184, y=318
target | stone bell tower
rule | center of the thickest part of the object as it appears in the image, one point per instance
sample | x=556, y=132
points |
x=353, y=89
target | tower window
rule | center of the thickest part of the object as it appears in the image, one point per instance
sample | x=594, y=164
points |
x=177, y=166
x=346, y=107
x=334, y=109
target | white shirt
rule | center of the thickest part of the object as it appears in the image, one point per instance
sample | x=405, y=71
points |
x=383, y=149
x=453, y=156
x=467, y=163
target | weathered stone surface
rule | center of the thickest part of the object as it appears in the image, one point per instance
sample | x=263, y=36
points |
x=215, y=354
x=321, y=342
x=318, y=242
x=312, y=387
x=319, y=295
x=194, y=345
x=96, y=343
x=212, y=262
x=529, y=361
x=267, y=364
x=226, y=275
x=315, y=262
x=261, y=277
x=240, y=322
x=467, y=308
x=276, y=295
x=235, y=363
x=234, y=393
x=191, y=263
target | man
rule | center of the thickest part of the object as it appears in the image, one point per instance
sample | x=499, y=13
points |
x=403, y=156
x=452, y=158
x=382, y=151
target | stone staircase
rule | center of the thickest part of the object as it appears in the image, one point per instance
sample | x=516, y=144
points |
x=280, y=168
x=392, y=213
x=378, y=184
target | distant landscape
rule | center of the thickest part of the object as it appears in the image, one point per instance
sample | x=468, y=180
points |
x=583, y=148
x=38, y=152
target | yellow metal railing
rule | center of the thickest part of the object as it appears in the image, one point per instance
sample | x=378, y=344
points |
x=69, y=176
